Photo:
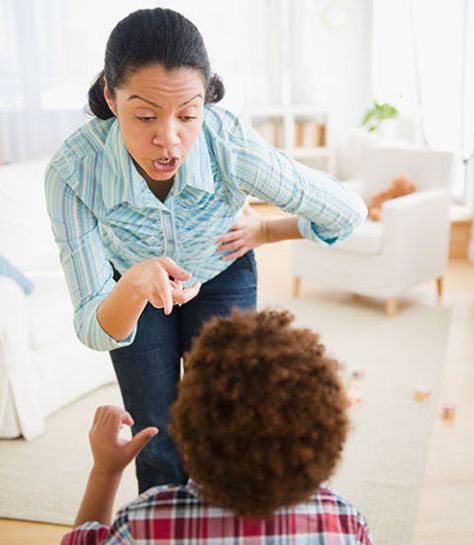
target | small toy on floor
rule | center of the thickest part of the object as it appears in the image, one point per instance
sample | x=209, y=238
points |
x=422, y=392
x=349, y=379
x=358, y=374
x=448, y=412
x=356, y=397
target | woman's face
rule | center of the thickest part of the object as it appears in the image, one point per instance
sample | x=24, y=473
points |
x=160, y=114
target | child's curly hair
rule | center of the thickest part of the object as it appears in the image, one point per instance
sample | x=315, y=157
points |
x=260, y=419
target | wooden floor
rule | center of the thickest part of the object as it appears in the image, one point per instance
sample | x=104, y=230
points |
x=446, y=511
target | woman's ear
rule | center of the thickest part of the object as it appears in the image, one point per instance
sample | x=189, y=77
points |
x=110, y=100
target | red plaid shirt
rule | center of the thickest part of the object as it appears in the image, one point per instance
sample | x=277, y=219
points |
x=176, y=515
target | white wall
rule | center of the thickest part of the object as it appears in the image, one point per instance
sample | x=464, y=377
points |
x=329, y=68
x=252, y=43
x=332, y=66
x=49, y=58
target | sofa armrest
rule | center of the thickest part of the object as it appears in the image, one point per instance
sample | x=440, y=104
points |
x=416, y=230
x=17, y=373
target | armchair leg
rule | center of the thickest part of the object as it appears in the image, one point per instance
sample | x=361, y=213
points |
x=440, y=287
x=391, y=306
x=296, y=286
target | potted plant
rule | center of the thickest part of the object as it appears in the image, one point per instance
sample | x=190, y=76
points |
x=376, y=116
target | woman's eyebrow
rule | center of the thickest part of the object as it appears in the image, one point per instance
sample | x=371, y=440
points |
x=158, y=106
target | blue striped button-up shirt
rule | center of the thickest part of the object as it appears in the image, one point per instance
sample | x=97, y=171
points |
x=102, y=210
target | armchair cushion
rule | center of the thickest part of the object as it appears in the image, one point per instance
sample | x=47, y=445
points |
x=367, y=239
x=429, y=169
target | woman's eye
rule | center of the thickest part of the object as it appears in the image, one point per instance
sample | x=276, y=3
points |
x=187, y=118
x=146, y=118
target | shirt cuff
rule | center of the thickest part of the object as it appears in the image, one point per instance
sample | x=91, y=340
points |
x=308, y=230
x=110, y=341
x=91, y=334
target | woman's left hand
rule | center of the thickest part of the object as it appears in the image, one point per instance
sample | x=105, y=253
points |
x=248, y=232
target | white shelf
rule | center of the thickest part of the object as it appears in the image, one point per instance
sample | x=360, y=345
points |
x=308, y=153
x=281, y=110
x=287, y=125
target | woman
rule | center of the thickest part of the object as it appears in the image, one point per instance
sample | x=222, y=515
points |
x=145, y=203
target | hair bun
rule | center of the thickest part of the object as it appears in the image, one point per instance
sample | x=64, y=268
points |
x=97, y=103
x=215, y=89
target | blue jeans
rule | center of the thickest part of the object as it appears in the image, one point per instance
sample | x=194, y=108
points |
x=148, y=370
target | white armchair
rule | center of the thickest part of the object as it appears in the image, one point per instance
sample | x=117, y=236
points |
x=407, y=247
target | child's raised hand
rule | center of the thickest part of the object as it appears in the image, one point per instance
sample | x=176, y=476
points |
x=111, y=452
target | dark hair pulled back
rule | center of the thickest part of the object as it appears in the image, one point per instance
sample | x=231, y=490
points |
x=152, y=36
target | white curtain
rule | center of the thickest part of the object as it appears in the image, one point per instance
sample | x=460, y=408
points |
x=51, y=51
x=423, y=62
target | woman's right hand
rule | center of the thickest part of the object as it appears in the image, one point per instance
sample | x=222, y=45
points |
x=158, y=280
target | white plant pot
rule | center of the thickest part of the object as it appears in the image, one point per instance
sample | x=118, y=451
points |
x=387, y=129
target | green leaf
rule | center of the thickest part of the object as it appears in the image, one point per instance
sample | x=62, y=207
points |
x=378, y=112
x=367, y=117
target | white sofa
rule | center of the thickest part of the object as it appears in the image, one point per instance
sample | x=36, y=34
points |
x=43, y=366
x=408, y=246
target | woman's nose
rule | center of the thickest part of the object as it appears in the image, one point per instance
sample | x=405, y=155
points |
x=166, y=135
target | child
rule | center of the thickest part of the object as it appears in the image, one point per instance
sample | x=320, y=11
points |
x=260, y=422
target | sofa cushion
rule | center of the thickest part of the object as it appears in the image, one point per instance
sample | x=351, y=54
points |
x=50, y=313
x=23, y=213
x=366, y=239
x=10, y=271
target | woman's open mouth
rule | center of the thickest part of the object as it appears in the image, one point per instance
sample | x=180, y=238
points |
x=165, y=164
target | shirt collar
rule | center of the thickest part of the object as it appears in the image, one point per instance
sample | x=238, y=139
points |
x=117, y=177
x=196, y=170
x=122, y=183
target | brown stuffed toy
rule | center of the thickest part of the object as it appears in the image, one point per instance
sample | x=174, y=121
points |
x=400, y=186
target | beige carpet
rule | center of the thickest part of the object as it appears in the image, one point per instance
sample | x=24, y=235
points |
x=383, y=461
